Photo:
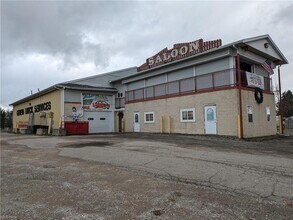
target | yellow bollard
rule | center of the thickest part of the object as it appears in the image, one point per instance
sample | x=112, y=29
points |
x=122, y=125
x=161, y=124
x=239, y=135
x=60, y=122
x=169, y=124
x=50, y=126
x=280, y=125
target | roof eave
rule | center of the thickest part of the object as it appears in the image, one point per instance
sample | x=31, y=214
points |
x=92, y=89
x=266, y=36
x=43, y=92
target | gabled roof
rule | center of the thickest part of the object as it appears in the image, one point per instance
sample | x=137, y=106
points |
x=35, y=95
x=70, y=86
x=110, y=76
x=240, y=44
x=247, y=41
x=75, y=86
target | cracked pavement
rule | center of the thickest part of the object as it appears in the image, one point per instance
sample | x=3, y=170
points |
x=260, y=169
x=266, y=176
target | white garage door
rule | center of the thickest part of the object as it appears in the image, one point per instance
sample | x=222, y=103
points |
x=99, y=121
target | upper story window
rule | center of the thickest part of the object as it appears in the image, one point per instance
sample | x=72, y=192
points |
x=120, y=94
x=246, y=66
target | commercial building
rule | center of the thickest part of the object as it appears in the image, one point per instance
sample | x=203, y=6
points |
x=195, y=87
x=81, y=106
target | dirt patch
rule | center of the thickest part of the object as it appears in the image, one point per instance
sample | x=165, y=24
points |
x=87, y=144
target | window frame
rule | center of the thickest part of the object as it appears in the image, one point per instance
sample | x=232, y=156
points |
x=250, y=115
x=187, y=110
x=145, y=117
x=268, y=113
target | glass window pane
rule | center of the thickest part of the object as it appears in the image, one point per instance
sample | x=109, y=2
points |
x=190, y=115
x=184, y=115
x=149, y=92
x=173, y=87
x=204, y=82
x=187, y=85
x=210, y=114
x=160, y=90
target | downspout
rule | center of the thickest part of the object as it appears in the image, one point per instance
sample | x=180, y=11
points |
x=280, y=103
x=62, y=90
x=240, y=118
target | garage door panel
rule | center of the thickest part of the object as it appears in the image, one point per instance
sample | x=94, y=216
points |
x=99, y=121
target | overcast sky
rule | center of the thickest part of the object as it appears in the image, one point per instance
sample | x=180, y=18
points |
x=47, y=42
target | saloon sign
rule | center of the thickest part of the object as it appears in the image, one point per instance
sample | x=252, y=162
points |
x=179, y=51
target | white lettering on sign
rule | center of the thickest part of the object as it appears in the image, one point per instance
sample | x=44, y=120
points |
x=174, y=53
x=183, y=50
x=193, y=46
x=158, y=59
x=255, y=80
x=166, y=57
x=179, y=51
x=151, y=61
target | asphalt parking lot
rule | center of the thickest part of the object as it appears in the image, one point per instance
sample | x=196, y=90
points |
x=146, y=176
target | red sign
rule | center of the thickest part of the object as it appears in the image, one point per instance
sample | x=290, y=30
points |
x=22, y=124
x=179, y=51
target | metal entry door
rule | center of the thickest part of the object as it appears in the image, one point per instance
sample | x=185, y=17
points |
x=136, y=126
x=210, y=118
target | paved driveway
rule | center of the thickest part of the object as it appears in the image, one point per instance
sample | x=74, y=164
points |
x=262, y=168
x=261, y=174
x=145, y=176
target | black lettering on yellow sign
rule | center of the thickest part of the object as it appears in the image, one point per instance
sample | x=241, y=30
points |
x=43, y=107
x=46, y=106
x=20, y=112
x=29, y=110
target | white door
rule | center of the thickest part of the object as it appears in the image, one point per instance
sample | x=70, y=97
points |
x=136, y=127
x=210, y=118
x=99, y=121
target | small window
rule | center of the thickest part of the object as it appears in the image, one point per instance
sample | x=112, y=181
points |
x=268, y=113
x=187, y=115
x=149, y=117
x=250, y=113
x=136, y=120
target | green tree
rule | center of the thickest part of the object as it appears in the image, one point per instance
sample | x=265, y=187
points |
x=287, y=104
x=8, y=119
x=3, y=116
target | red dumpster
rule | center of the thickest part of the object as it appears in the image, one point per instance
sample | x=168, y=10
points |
x=76, y=127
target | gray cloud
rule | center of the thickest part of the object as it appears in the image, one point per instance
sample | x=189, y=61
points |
x=59, y=28
x=284, y=15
